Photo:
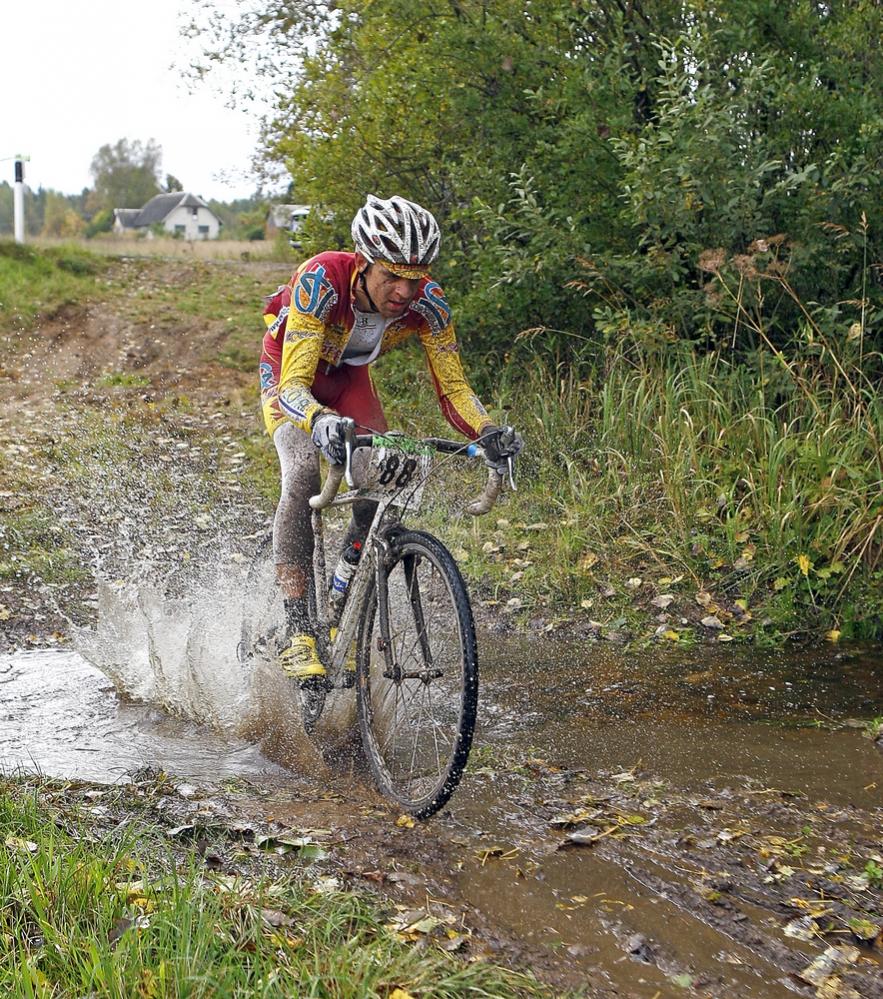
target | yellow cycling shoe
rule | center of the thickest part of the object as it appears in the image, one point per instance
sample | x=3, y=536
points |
x=300, y=660
x=349, y=664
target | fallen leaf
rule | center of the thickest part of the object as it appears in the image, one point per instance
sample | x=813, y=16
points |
x=495, y=852
x=405, y=822
x=17, y=843
x=802, y=928
x=822, y=968
x=663, y=600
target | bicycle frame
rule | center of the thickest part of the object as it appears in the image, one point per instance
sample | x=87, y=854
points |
x=374, y=550
x=371, y=563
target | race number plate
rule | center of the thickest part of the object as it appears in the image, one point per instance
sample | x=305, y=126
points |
x=398, y=472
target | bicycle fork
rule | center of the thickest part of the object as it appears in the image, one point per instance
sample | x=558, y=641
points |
x=394, y=670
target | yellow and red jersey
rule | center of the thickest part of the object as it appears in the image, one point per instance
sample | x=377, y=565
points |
x=309, y=322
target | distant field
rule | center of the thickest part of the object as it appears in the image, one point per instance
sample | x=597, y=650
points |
x=207, y=249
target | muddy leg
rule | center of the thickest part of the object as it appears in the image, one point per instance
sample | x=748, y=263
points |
x=292, y=528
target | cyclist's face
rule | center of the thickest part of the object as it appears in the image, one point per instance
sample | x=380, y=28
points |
x=392, y=295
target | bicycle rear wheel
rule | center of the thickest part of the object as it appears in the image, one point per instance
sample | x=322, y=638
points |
x=417, y=677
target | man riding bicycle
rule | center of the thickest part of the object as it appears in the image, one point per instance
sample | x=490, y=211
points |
x=325, y=328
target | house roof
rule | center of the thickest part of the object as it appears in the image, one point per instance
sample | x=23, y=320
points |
x=162, y=205
x=158, y=209
x=127, y=216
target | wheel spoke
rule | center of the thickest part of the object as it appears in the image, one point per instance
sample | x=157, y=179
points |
x=417, y=730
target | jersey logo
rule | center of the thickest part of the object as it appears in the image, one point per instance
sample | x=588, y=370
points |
x=314, y=295
x=433, y=307
x=278, y=322
x=266, y=371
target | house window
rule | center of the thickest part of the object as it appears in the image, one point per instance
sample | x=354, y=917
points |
x=203, y=231
x=180, y=230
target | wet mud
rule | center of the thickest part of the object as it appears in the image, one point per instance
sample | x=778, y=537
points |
x=642, y=850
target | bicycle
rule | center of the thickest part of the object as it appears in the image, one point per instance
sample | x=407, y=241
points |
x=407, y=609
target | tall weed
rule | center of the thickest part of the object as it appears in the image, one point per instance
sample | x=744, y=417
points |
x=767, y=487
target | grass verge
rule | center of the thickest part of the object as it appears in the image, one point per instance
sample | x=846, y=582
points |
x=127, y=914
x=37, y=282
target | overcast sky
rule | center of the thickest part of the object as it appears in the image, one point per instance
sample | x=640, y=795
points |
x=76, y=74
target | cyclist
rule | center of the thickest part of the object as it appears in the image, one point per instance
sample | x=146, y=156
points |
x=325, y=328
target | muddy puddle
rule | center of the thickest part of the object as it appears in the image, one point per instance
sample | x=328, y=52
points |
x=61, y=717
x=733, y=768
x=689, y=823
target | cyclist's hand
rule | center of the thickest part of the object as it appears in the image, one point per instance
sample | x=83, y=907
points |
x=329, y=433
x=500, y=444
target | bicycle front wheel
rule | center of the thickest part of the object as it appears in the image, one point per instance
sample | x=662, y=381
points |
x=417, y=675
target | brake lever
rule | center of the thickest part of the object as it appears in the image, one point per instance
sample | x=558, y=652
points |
x=349, y=441
x=507, y=436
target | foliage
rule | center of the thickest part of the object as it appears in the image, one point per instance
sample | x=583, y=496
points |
x=243, y=218
x=60, y=219
x=102, y=221
x=583, y=156
x=125, y=174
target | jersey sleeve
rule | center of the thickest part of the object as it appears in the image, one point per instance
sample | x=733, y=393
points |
x=459, y=404
x=313, y=296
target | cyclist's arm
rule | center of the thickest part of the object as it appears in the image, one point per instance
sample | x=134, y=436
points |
x=313, y=295
x=300, y=358
x=460, y=406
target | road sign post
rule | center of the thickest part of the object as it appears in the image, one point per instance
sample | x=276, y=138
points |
x=18, y=199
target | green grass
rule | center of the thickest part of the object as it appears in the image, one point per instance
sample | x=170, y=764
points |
x=124, y=916
x=33, y=543
x=736, y=484
x=123, y=379
x=37, y=282
x=744, y=482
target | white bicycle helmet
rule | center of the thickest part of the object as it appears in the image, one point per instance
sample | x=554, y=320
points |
x=398, y=234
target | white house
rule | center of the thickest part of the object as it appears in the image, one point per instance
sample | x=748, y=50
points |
x=180, y=214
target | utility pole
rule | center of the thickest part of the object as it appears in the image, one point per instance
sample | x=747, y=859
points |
x=18, y=199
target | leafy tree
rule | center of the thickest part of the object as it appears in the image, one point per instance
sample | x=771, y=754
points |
x=101, y=221
x=60, y=218
x=656, y=169
x=172, y=183
x=126, y=174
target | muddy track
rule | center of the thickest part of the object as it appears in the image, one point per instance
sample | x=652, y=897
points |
x=640, y=881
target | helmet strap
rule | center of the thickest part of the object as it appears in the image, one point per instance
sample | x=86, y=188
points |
x=364, y=286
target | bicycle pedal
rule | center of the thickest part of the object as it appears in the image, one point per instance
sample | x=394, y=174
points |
x=348, y=679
